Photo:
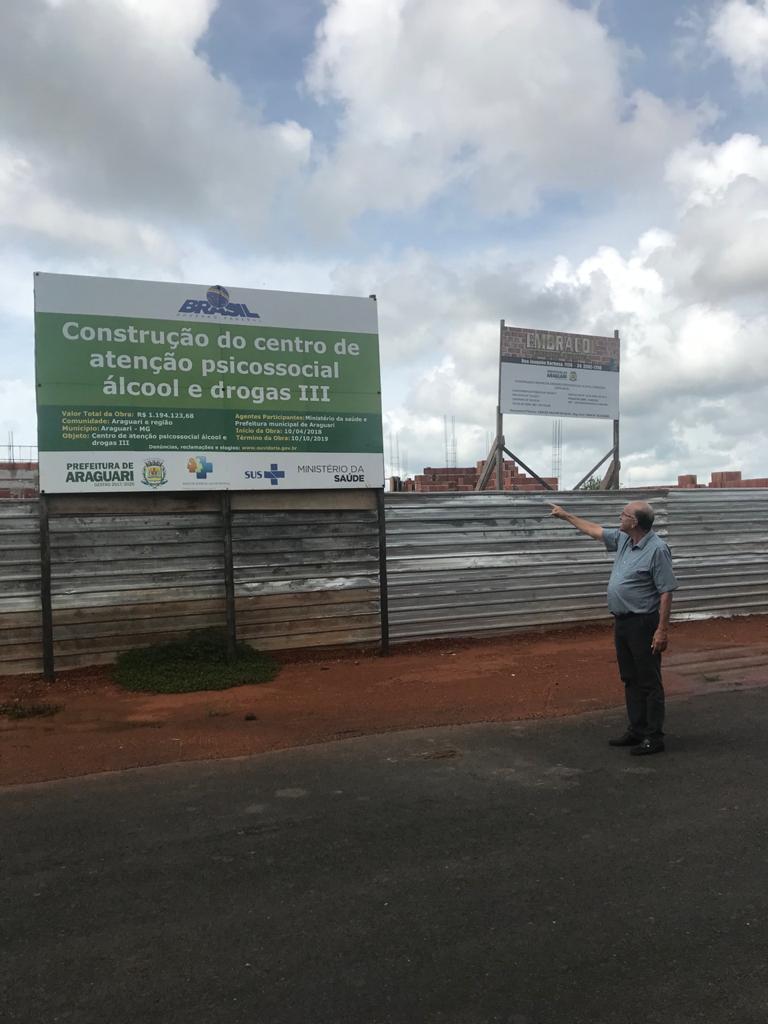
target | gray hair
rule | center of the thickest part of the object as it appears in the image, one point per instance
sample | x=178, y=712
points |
x=644, y=515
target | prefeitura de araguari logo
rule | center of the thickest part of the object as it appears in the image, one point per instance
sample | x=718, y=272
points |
x=153, y=474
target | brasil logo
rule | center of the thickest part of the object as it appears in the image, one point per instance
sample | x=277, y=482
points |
x=217, y=296
x=153, y=474
x=216, y=303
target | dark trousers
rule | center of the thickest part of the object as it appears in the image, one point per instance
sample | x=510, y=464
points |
x=640, y=671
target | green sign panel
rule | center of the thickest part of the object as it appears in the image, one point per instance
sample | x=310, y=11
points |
x=144, y=384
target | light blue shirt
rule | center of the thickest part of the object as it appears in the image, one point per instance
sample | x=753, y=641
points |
x=641, y=572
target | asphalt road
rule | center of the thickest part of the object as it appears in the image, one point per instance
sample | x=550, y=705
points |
x=524, y=874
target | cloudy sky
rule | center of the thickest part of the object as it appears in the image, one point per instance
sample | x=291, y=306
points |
x=562, y=164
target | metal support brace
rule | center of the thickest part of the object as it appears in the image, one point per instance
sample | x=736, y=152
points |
x=594, y=469
x=383, y=599
x=46, y=604
x=528, y=469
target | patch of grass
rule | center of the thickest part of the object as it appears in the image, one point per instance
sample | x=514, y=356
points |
x=199, y=662
x=19, y=710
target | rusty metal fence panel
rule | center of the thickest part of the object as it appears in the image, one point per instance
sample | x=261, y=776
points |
x=719, y=539
x=306, y=578
x=133, y=571
x=121, y=580
x=477, y=563
x=20, y=613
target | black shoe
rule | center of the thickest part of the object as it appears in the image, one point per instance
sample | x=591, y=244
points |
x=629, y=739
x=649, y=746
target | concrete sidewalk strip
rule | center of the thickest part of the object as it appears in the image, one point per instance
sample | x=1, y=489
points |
x=733, y=658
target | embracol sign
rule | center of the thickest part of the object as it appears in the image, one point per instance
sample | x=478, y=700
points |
x=140, y=384
x=552, y=373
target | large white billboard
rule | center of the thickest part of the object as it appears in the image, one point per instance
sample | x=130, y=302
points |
x=551, y=373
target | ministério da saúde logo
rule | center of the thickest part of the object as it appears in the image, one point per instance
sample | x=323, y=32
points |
x=274, y=474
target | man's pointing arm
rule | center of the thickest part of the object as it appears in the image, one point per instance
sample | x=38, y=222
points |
x=593, y=530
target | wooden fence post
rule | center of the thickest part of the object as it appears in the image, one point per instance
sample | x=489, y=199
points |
x=46, y=604
x=383, y=595
x=229, y=575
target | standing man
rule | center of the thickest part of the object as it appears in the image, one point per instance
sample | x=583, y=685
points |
x=640, y=600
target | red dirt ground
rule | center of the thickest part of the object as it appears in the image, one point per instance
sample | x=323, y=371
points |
x=334, y=696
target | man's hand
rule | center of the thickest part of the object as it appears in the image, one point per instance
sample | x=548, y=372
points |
x=660, y=641
x=557, y=511
x=584, y=525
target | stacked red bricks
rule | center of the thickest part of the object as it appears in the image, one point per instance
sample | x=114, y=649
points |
x=18, y=480
x=465, y=478
x=728, y=478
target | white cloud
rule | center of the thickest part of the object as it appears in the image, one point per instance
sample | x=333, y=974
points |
x=694, y=360
x=739, y=32
x=118, y=131
x=180, y=23
x=17, y=415
x=508, y=101
x=721, y=249
x=702, y=172
x=26, y=207
x=689, y=40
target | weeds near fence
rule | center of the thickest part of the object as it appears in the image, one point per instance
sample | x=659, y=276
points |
x=198, y=662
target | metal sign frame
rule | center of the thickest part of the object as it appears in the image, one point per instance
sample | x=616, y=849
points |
x=610, y=480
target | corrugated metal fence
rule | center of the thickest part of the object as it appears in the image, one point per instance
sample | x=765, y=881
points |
x=719, y=540
x=306, y=567
x=307, y=577
x=127, y=572
x=479, y=563
x=121, y=580
x=20, y=615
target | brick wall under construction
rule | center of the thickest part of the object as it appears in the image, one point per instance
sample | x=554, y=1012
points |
x=728, y=478
x=465, y=478
x=18, y=480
